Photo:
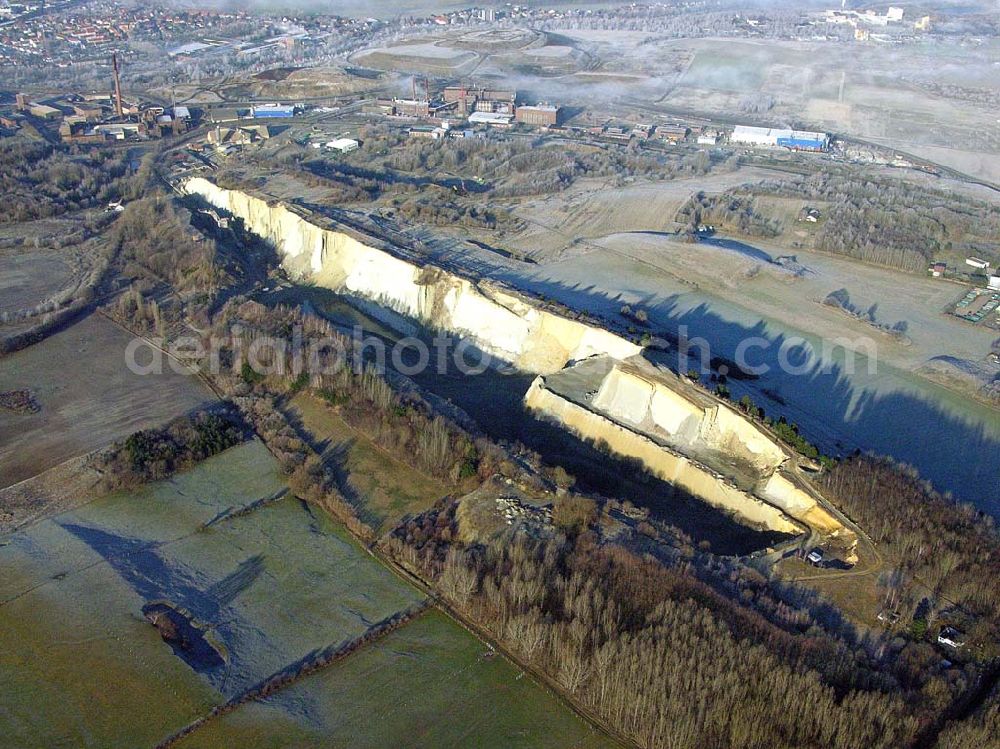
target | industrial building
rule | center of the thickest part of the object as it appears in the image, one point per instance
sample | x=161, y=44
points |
x=478, y=99
x=426, y=131
x=707, y=137
x=411, y=107
x=272, y=111
x=539, y=114
x=671, y=133
x=490, y=119
x=618, y=133
x=119, y=130
x=98, y=118
x=796, y=140
x=344, y=145
x=222, y=137
x=44, y=112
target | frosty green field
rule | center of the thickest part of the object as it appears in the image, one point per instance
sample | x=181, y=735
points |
x=270, y=586
x=429, y=684
x=263, y=581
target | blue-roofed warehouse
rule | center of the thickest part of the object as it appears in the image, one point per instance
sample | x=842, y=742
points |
x=263, y=111
x=800, y=140
x=804, y=142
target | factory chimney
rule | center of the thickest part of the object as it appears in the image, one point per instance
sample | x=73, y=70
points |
x=119, y=111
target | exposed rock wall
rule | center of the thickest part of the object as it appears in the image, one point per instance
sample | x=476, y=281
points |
x=497, y=320
x=640, y=396
x=678, y=432
x=685, y=437
x=668, y=465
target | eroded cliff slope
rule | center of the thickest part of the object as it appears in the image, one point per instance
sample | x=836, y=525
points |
x=498, y=320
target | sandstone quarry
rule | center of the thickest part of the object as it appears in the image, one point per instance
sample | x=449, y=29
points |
x=607, y=394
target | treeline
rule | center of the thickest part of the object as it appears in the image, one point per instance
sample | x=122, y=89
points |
x=312, y=663
x=39, y=180
x=153, y=454
x=391, y=163
x=890, y=222
x=660, y=655
x=941, y=549
x=978, y=731
x=441, y=211
x=735, y=213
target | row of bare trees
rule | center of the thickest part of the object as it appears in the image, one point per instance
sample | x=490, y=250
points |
x=940, y=548
x=889, y=222
x=39, y=180
x=656, y=653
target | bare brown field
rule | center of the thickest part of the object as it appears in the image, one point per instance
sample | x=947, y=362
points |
x=424, y=55
x=28, y=278
x=88, y=398
x=43, y=259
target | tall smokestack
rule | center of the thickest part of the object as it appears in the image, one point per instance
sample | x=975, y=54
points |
x=118, y=88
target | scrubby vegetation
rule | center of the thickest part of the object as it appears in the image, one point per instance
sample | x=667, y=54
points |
x=882, y=220
x=19, y=401
x=153, y=237
x=499, y=166
x=436, y=211
x=152, y=454
x=404, y=424
x=978, y=731
x=517, y=166
x=39, y=180
x=733, y=213
x=665, y=658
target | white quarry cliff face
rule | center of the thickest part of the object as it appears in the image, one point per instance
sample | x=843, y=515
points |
x=687, y=475
x=646, y=400
x=498, y=322
x=683, y=436
x=638, y=411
